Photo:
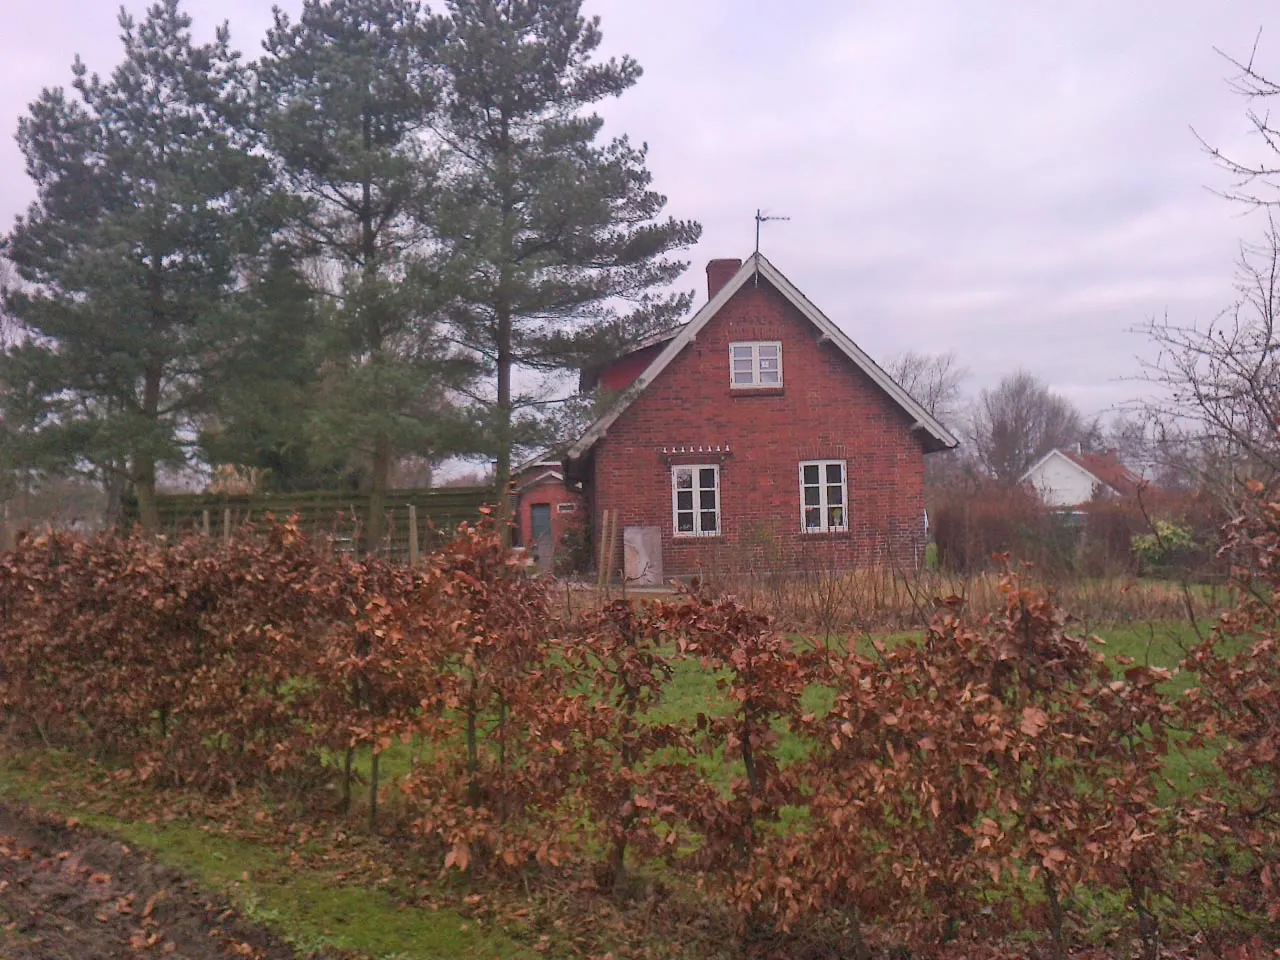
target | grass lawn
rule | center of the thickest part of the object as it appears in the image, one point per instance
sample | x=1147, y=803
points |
x=320, y=909
x=693, y=690
x=312, y=908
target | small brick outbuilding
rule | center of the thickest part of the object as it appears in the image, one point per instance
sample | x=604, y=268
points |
x=548, y=511
x=756, y=436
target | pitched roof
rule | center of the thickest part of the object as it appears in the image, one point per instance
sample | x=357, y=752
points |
x=534, y=479
x=1105, y=468
x=543, y=458
x=940, y=436
x=589, y=375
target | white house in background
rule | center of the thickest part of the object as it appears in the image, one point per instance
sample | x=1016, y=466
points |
x=1068, y=479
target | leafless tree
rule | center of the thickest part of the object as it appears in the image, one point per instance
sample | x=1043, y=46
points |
x=1215, y=415
x=1213, y=420
x=935, y=380
x=1020, y=421
x=1256, y=182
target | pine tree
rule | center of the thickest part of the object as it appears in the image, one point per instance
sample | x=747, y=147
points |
x=149, y=206
x=269, y=383
x=555, y=233
x=347, y=94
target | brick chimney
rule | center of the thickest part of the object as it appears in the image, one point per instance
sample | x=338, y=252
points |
x=720, y=272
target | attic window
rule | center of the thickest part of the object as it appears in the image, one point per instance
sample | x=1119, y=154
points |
x=755, y=364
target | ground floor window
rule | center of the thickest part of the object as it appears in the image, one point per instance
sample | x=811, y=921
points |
x=695, y=500
x=824, y=496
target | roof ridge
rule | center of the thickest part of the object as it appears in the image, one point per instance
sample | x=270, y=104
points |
x=755, y=265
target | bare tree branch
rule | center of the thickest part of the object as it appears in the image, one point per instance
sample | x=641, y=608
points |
x=1255, y=182
x=934, y=380
x=1216, y=415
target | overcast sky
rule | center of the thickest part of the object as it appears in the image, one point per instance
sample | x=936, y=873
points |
x=1017, y=182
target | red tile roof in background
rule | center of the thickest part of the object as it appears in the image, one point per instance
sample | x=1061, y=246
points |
x=1107, y=468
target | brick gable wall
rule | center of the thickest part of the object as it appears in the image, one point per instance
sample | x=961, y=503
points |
x=826, y=409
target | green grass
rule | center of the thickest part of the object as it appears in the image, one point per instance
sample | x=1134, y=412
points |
x=308, y=907
x=693, y=690
x=311, y=908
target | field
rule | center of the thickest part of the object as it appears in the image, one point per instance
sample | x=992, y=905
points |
x=369, y=760
x=330, y=890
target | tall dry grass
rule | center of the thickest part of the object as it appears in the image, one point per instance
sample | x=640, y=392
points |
x=891, y=600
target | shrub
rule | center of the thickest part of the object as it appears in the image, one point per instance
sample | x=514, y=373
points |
x=972, y=528
x=1235, y=710
x=929, y=797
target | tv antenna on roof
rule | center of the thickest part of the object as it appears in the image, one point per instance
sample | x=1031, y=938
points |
x=761, y=217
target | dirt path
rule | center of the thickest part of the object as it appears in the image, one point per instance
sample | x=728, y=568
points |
x=71, y=892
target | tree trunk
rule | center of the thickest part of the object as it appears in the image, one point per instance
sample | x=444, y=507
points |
x=502, y=758
x=373, y=788
x=380, y=471
x=858, y=942
x=473, y=757
x=502, y=424
x=346, y=779
x=144, y=465
x=1148, y=925
x=1055, y=916
x=144, y=488
x=115, y=483
x=371, y=301
x=504, y=320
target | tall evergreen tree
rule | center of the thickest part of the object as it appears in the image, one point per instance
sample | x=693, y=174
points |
x=269, y=384
x=148, y=206
x=555, y=232
x=348, y=93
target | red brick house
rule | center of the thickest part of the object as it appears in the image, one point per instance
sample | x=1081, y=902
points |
x=756, y=436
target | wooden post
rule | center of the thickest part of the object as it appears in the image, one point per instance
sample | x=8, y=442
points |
x=413, y=535
x=613, y=544
x=226, y=524
x=608, y=548
x=204, y=521
x=604, y=548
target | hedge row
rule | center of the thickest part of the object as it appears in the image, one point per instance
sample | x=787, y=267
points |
x=937, y=797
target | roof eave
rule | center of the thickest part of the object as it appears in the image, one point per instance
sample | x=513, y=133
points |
x=939, y=437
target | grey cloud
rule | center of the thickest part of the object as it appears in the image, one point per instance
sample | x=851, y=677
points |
x=1017, y=182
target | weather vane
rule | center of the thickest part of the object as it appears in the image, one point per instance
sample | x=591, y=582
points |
x=761, y=217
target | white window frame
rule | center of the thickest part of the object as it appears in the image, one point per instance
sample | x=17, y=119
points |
x=755, y=359
x=697, y=490
x=824, y=503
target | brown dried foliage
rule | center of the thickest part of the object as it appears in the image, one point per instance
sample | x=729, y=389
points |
x=1235, y=710
x=995, y=778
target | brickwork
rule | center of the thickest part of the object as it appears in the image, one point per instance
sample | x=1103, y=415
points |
x=550, y=491
x=827, y=409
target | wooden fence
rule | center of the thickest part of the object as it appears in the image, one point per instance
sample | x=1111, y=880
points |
x=414, y=518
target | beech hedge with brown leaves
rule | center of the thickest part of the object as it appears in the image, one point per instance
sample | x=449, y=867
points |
x=996, y=778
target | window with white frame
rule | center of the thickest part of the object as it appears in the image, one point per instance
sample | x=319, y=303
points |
x=754, y=364
x=695, y=500
x=824, y=496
